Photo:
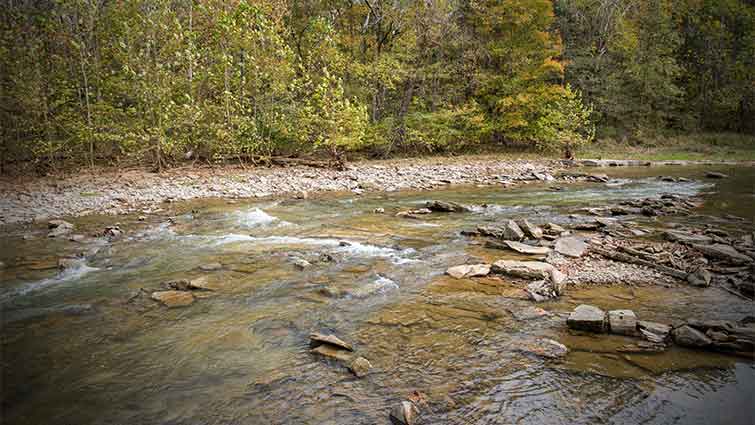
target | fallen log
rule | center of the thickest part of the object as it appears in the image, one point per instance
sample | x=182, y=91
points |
x=626, y=258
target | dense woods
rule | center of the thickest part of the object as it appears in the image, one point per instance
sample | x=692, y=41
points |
x=159, y=81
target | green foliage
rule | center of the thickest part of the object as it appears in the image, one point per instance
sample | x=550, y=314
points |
x=148, y=81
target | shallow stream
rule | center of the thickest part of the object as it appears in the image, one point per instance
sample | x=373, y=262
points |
x=74, y=351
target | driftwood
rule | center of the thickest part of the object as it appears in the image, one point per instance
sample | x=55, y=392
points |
x=626, y=258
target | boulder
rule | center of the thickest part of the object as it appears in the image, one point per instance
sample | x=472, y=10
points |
x=172, y=299
x=529, y=229
x=587, y=318
x=622, y=322
x=687, y=336
x=360, y=367
x=544, y=347
x=723, y=252
x=542, y=290
x=469, y=270
x=524, y=269
x=512, y=231
x=571, y=246
x=527, y=249
x=491, y=231
x=700, y=277
x=446, y=206
x=201, y=284
x=318, y=339
x=405, y=413
x=654, y=332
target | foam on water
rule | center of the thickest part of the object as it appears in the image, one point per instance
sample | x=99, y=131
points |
x=258, y=218
x=69, y=275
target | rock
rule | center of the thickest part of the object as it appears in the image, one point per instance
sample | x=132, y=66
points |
x=654, y=332
x=715, y=175
x=527, y=249
x=59, y=228
x=688, y=336
x=469, y=270
x=491, y=231
x=686, y=238
x=530, y=229
x=622, y=322
x=544, y=347
x=178, y=285
x=332, y=352
x=301, y=263
x=141, y=218
x=379, y=211
x=587, y=318
x=413, y=213
x=529, y=313
x=542, y=290
x=360, y=367
x=571, y=246
x=66, y=263
x=512, y=232
x=2, y=265
x=723, y=252
x=527, y=269
x=209, y=267
x=77, y=238
x=112, y=232
x=405, y=413
x=317, y=339
x=445, y=206
x=172, y=299
x=598, y=178
x=554, y=228
x=701, y=277
x=201, y=284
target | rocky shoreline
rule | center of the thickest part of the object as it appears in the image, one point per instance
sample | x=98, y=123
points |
x=116, y=192
x=131, y=191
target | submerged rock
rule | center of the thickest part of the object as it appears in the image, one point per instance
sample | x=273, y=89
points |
x=360, y=367
x=715, y=175
x=529, y=313
x=112, y=232
x=300, y=263
x=413, y=213
x=318, y=339
x=405, y=413
x=469, y=270
x=542, y=290
x=544, y=347
x=687, y=336
x=587, y=318
x=172, y=299
x=622, y=322
x=332, y=352
x=209, y=267
x=446, y=206
x=571, y=246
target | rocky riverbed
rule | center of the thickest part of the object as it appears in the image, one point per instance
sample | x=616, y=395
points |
x=443, y=306
x=128, y=191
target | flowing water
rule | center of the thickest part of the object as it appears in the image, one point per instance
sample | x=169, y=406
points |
x=74, y=351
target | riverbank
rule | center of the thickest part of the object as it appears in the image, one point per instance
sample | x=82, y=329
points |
x=114, y=192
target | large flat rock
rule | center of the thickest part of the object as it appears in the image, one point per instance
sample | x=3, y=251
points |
x=469, y=270
x=723, y=252
x=523, y=248
x=525, y=269
x=622, y=322
x=172, y=299
x=571, y=246
x=587, y=318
